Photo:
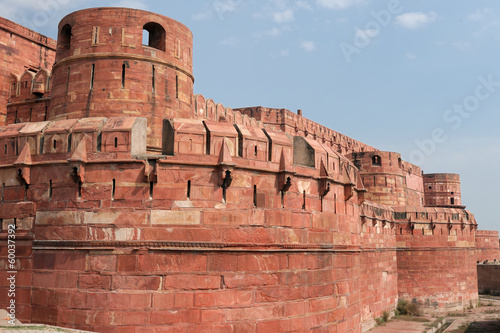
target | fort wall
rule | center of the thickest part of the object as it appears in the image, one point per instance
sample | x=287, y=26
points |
x=489, y=278
x=26, y=59
x=135, y=210
x=487, y=246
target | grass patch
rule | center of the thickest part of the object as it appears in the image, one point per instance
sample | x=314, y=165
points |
x=435, y=323
x=28, y=327
x=461, y=329
x=411, y=318
x=455, y=314
x=408, y=308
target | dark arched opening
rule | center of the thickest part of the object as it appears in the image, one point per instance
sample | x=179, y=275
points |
x=154, y=36
x=65, y=37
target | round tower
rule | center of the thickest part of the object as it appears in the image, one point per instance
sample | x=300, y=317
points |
x=442, y=190
x=382, y=177
x=123, y=62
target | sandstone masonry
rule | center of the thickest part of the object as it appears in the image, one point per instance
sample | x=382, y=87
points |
x=141, y=207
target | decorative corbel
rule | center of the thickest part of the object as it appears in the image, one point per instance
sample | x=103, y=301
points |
x=325, y=180
x=412, y=226
x=23, y=164
x=360, y=188
x=285, y=174
x=150, y=173
x=225, y=165
x=77, y=162
x=348, y=184
x=433, y=225
x=78, y=173
x=374, y=218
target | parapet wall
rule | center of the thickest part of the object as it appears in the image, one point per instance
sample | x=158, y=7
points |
x=295, y=124
x=488, y=276
x=23, y=53
x=487, y=246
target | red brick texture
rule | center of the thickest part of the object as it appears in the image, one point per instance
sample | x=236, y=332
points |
x=141, y=210
x=488, y=276
x=26, y=60
x=487, y=245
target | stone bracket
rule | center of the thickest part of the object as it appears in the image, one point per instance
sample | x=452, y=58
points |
x=150, y=172
x=225, y=177
x=23, y=175
x=78, y=173
x=348, y=191
x=285, y=181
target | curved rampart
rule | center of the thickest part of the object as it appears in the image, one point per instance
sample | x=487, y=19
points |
x=442, y=190
x=123, y=240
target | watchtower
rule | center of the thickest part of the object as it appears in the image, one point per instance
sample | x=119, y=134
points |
x=116, y=62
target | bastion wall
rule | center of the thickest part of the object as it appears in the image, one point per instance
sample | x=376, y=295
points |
x=140, y=207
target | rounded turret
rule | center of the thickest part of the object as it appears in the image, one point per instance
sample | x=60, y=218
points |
x=382, y=177
x=442, y=190
x=123, y=62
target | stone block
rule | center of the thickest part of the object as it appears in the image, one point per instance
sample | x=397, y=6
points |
x=170, y=217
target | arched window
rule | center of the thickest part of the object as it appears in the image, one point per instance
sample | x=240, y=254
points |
x=65, y=37
x=376, y=160
x=154, y=36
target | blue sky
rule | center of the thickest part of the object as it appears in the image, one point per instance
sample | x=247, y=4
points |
x=417, y=77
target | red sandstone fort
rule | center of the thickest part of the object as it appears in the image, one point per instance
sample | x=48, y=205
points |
x=141, y=207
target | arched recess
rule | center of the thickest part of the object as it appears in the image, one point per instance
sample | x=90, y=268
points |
x=14, y=85
x=65, y=37
x=154, y=35
x=40, y=83
x=26, y=83
x=376, y=160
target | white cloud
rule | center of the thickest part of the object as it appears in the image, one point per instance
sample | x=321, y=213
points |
x=274, y=32
x=415, y=20
x=201, y=16
x=230, y=41
x=41, y=16
x=303, y=5
x=284, y=16
x=339, y=4
x=225, y=6
x=480, y=14
x=371, y=33
x=410, y=56
x=308, y=45
x=138, y=4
